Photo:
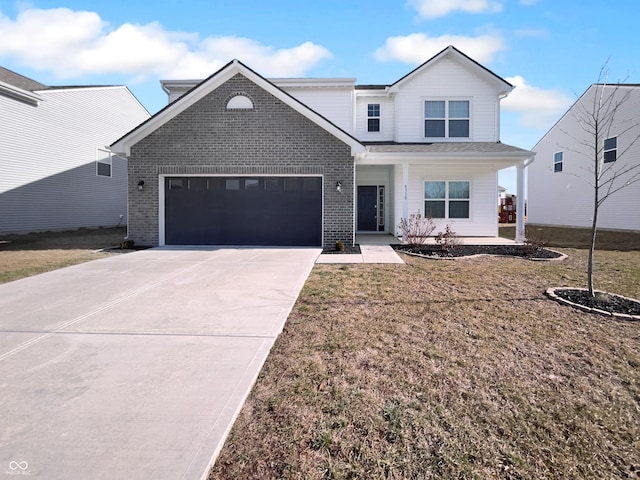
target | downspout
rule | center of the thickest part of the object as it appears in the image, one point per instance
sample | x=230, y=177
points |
x=520, y=205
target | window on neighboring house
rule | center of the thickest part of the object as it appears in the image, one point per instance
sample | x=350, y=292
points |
x=446, y=118
x=446, y=199
x=103, y=162
x=610, y=149
x=373, y=117
x=557, y=162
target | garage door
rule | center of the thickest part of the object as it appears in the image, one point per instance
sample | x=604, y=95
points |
x=277, y=211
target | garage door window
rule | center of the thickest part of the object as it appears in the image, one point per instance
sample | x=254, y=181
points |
x=271, y=184
x=233, y=184
x=175, y=183
x=290, y=184
x=252, y=184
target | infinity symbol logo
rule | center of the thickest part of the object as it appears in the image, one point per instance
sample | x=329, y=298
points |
x=18, y=465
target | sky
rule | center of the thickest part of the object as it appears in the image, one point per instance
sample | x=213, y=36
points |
x=551, y=50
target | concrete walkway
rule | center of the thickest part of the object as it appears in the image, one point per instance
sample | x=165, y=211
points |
x=135, y=366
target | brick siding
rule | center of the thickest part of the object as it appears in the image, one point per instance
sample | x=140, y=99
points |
x=270, y=139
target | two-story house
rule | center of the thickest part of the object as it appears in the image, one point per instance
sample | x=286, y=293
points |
x=561, y=182
x=56, y=168
x=242, y=160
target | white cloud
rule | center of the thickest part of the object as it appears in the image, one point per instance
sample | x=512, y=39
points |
x=77, y=43
x=538, y=108
x=419, y=47
x=440, y=8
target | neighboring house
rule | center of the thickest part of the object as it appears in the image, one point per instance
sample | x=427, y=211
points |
x=239, y=159
x=560, y=181
x=56, y=168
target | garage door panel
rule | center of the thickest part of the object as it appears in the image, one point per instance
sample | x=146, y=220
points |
x=243, y=211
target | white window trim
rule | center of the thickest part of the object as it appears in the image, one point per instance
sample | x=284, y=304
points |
x=101, y=158
x=561, y=162
x=447, y=199
x=446, y=137
x=379, y=118
x=604, y=150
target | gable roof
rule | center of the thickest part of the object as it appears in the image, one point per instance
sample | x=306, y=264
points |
x=20, y=81
x=124, y=144
x=604, y=86
x=455, y=53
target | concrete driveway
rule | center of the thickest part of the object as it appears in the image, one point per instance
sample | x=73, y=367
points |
x=136, y=365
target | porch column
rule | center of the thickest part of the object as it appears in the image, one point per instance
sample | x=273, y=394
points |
x=405, y=192
x=520, y=237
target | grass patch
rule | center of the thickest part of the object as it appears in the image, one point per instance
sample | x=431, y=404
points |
x=577, y=237
x=29, y=254
x=446, y=370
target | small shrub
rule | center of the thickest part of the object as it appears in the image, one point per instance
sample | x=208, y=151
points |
x=340, y=246
x=534, y=242
x=447, y=240
x=416, y=229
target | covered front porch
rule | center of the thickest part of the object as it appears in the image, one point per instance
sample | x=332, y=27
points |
x=393, y=181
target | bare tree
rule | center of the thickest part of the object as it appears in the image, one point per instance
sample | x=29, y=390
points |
x=598, y=119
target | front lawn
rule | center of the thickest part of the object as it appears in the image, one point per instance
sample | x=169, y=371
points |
x=447, y=369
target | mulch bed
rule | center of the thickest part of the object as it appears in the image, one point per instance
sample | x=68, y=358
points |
x=523, y=251
x=604, y=303
x=355, y=249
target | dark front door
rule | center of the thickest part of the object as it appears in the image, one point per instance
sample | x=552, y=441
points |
x=368, y=208
x=275, y=211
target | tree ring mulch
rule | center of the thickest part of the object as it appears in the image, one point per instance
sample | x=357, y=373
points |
x=468, y=251
x=603, y=303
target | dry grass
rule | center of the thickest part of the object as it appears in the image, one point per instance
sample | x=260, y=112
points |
x=448, y=370
x=577, y=237
x=25, y=255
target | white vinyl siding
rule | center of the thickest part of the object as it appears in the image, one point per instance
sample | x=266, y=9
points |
x=335, y=104
x=483, y=182
x=447, y=79
x=566, y=198
x=387, y=118
x=48, y=159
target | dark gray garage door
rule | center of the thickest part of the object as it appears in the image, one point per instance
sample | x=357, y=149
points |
x=277, y=211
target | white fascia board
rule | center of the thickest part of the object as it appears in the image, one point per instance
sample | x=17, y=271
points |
x=20, y=94
x=505, y=159
x=124, y=144
x=168, y=85
x=313, y=82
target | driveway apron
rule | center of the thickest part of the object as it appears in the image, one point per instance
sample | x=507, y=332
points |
x=135, y=366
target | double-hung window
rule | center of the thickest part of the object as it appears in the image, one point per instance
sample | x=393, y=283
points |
x=610, y=149
x=557, y=162
x=446, y=199
x=446, y=119
x=103, y=162
x=373, y=117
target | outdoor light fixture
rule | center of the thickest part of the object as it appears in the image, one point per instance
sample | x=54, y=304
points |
x=140, y=185
x=339, y=186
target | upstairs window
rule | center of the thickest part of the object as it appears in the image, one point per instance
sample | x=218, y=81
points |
x=610, y=149
x=373, y=117
x=446, y=119
x=103, y=162
x=557, y=162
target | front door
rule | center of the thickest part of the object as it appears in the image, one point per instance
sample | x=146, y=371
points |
x=368, y=208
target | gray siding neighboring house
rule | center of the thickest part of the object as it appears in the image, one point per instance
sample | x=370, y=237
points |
x=560, y=181
x=56, y=169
